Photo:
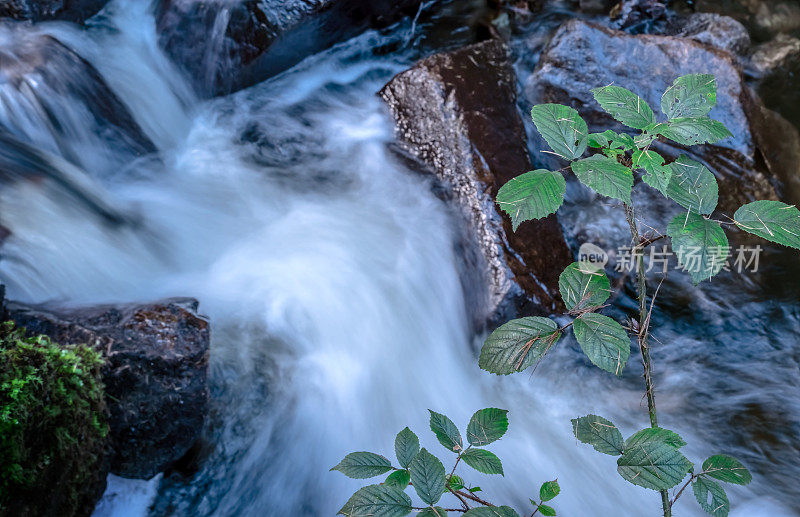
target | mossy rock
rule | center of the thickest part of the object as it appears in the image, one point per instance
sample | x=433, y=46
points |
x=53, y=426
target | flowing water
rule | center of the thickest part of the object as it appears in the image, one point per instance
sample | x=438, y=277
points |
x=330, y=274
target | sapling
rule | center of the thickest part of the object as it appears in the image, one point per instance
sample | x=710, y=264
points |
x=651, y=457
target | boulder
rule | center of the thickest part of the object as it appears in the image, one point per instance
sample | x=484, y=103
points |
x=155, y=376
x=582, y=56
x=776, y=66
x=226, y=45
x=57, y=101
x=41, y=10
x=715, y=30
x=457, y=113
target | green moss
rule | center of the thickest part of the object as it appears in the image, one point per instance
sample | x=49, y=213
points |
x=52, y=425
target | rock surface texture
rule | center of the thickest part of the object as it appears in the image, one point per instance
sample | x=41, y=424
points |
x=457, y=113
x=226, y=45
x=40, y=10
x=155, y=377
x=583, y=56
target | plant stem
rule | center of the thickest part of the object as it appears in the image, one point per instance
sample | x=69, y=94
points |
x=644, y=323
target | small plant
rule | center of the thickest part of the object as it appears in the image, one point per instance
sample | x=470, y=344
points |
x=426, y=473
x=651, y=457
x=52, y=425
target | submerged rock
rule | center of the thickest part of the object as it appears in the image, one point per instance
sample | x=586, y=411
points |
x=226, y=45
x=583, y=56
x=155, y=375
x=457, y=113
x=40, y=10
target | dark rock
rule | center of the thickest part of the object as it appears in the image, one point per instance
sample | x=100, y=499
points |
x=227, y=45
x=639, y=15
x=456, y=111
x=772, y=18
x=40, y=10
x=776, y=66
x=583, y=56
x=722, y=32
x=57, y=101
x=155, y=375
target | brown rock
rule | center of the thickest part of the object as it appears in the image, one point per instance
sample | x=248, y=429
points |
x=457, y=112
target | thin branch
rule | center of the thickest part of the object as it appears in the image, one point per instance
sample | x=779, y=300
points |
x=691, y=478
x=473, y=497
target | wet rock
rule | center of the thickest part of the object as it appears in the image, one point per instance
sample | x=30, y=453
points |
x=155, y=376
x=226, y=45
x=771, y=18
x=40, y=10
x=57, y=101
x=638, y=16
x=776, y=65
x=457, y=113
x=582, y=56
x=722, y=32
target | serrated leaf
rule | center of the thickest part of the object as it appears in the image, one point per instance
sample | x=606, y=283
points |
x=427, y=476
x=700, y=244
x=599, y=433
x=658, y=174
x=653, y=465
x=547, y=511
x=598, y=140
x=583, y=285
x=644, y=139
x=516, y=345
x=771, y=220
x=406, y=446
x=398, y=479
x=711, y=496
x=362, y=465
x=655, y=434
x=549, y=490
x=562, y=128
x=605, y=175
x=438, y=511
x=532, y=195
x=483, y=461
x=491, y=511
x=625, y=106
x=694, y=131
x=377, y=501
x=604, y=341
x=446, y=432
x=486, y=426
x=455, y=482
x=728, y=469
x=693, y=186
x=690, y=96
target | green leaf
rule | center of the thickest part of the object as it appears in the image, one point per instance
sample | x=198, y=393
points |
x=483, y=461
x=549, y=490
x=771, y=220
x=446, y=432
x=516, y=345
x=599, y=433
x=655, y=434
x=690, y=96
x=728, y=469
x=583, y=285
x=486, y=426
x=598, y=140
x=625, y=106
x=658, y=174
x=711, y=496
x=491, y=511
x=433, y=512
x=604, y=341
x=693, y=131
x=700, y=245
x=398, y=479
x=643, y=140
x=606, y=176
x=455, y=482
x=547, y=511
x=475, y=489
x=427, y=476
x=532, y=195
x=654, y=465
x=406, y=446
x=562, y=128
x=693, y=186
x=377, y=501
x=362, y=465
